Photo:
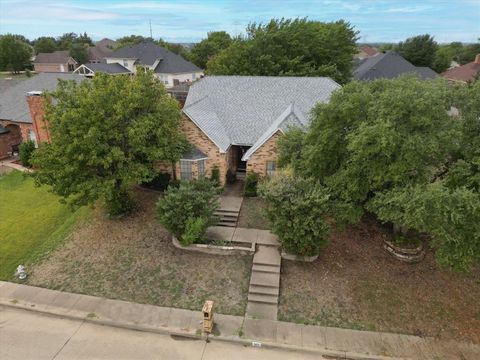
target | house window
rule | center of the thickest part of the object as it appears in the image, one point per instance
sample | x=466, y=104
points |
x=271, y=167
x=125, y=63
x=194, y=77
x=32, y=137
x=185, y=170
x=201, y=168
x=71, y=67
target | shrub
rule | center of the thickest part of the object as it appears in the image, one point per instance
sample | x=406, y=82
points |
x=159, y=182
x=231, y=177
x=26, y=151
x=215, y=177
x=191, y=200
x=451, y=217
x=296, y=208
x=251, y=183
x=195, y=229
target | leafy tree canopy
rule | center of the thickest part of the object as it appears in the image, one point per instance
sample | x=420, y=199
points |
x=14, y=54
x=67, y=40
x=45, y=44
x=130, y=40
x=79, y=52
x=419, y=50
x=209, y=47
x=392, y=147
x=107, y=135
x=286, y=47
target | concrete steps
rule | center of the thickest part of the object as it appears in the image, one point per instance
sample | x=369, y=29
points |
x=227, y=218
x=264, y=283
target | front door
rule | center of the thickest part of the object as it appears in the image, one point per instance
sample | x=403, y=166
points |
x=242, y=165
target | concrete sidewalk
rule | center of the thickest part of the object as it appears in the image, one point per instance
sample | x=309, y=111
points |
x=339, y=343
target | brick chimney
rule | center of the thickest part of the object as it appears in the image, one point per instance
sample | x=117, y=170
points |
x=477, y=59
x=36, y=102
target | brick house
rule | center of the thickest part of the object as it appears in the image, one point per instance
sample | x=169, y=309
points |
x=15, y=115
x=234, y=122
x=57, y=61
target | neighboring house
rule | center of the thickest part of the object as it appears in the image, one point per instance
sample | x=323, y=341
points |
x=15, y=115
x=57, y=61
x=464, y=73
x=389, y=65
x=7, y=141
x=169, y=67
x=90, y=69
x=366, y=51
x=101, y=50
x=234, y=122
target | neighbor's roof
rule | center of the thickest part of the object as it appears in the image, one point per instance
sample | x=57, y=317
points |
x=13, y=103
x=147, y=53
x=243, y=110
x=464, y=73
x=370, y=51
x=56, y=57
x=98, y=53
x=113, y=68
x=389, y=65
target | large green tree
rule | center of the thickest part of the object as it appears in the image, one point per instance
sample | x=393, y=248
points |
x=419, y=50
x=107, y=135
x=286, y=47
x=45, y=44
x=393, y=147
x=209, y=47
x=14, y=54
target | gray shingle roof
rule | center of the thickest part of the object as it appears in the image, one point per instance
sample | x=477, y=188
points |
x=13, y=103
x=389, y=66
x=113, y=68
x=147, y=53
x=194, y=154
x=241, y=110
x=56, y=57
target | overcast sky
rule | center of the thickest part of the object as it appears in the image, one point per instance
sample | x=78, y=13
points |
x=189, y=21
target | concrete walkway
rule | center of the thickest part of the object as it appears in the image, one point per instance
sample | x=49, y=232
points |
x=334, y=342
x=10, y=163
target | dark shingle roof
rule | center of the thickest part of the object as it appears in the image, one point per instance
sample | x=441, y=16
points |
x=56, y=57
x=194, y=154
x=113, y=68
x=13, y=103
x=147, y=53
x=97, y=53
x=389, y=66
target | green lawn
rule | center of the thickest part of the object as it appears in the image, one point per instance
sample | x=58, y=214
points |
x=32, y=222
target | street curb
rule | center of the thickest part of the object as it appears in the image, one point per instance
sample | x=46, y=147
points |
x=168, y=331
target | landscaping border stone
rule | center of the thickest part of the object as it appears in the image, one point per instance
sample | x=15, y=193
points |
x=408, y=255
x=293, y=257
x=215, y=249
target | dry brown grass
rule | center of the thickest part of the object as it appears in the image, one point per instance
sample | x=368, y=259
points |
x=356, y=284
x=252, y=214
x=133, y=259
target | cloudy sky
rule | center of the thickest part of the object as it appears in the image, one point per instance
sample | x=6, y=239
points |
x=189, y=21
